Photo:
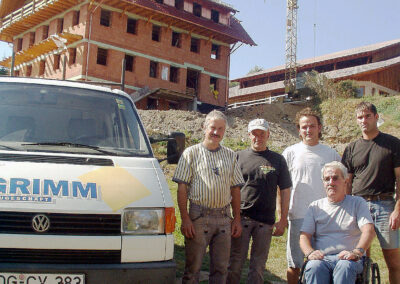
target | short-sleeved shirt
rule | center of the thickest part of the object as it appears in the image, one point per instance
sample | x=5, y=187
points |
x=372, y=163
x=209, y=174
x=336, y=226
x=305, y=164
x=262, y=173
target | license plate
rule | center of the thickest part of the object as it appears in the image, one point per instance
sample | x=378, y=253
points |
x=41, y=278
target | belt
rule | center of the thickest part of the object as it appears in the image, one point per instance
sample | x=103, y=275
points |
x=378, y=197
x=211, y=211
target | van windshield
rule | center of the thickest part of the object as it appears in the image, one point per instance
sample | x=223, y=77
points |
x=35, y=117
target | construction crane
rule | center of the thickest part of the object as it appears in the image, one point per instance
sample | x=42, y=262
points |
x=291, y=47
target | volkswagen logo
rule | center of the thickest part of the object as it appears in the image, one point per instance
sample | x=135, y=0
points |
x=40, y=223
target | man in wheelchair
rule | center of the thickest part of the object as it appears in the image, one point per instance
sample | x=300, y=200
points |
x=336, y=231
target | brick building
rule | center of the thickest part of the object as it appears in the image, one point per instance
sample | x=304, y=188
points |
x=176, y=51
x=375, y=68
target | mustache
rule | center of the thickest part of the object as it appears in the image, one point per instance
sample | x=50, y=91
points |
x=215, y=135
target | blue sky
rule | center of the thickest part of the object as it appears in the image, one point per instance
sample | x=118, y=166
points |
x=339, y=25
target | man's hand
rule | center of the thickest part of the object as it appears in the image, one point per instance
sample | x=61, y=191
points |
x=316, y=255
x=279, y=228
x=236, y=227
x=349, y=255
x=187, y=228
x=394, y=220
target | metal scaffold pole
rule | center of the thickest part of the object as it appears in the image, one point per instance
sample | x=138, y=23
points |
x=291, y=47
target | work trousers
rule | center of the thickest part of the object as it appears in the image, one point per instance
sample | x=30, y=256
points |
x=212, y=228
x=261, y=234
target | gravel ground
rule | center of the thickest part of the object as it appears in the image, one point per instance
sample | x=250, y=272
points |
x=280, y=117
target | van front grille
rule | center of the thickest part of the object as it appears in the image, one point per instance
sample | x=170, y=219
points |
x=57, y=256
x=62, y=224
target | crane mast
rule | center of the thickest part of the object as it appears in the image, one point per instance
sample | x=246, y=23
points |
x=291, y=47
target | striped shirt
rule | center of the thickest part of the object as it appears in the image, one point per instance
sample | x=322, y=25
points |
x=209, y=175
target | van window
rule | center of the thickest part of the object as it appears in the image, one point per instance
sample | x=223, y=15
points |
x=35, y=117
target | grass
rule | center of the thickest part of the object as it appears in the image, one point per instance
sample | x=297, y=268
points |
x=342, y=119
x=276, y=264
x=339, y=117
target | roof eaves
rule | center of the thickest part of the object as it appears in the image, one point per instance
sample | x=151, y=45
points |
x=235, y=31
x=328, y=57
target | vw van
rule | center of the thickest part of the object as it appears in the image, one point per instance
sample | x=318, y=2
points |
x=82, y=197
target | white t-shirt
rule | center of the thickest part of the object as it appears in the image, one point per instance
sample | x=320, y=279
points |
x=336, y=226
x=305, y=164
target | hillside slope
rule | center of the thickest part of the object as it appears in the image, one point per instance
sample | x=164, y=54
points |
x=338, y=116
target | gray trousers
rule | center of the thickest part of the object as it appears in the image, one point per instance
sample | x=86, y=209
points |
x=213, y=229
x=261, y=234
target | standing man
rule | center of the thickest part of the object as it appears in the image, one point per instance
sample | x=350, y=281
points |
x=263, y=171
x=373, y=162
x=305, y=161
x=209, y=177
x=336, y=231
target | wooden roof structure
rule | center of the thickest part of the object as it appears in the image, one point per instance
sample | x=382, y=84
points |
x=46, y=46
x=37, y=11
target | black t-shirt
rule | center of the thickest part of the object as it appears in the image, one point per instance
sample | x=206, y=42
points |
x=372, y=163
x=262, y=173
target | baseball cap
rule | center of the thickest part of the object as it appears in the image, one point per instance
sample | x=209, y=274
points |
x=258, y=123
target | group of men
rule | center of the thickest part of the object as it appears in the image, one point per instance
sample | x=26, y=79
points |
x=327, y=226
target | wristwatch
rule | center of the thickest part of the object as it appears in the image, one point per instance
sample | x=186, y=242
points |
x=361, y=250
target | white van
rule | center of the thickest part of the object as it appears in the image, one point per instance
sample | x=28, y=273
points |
x=82, y=198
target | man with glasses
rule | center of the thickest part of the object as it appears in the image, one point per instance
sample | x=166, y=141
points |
x=336, y=231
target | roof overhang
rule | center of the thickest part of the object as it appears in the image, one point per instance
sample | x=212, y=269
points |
x=44, y=47
x=30, y=15
x=35, y=12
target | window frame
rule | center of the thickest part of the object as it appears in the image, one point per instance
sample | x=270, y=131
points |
x=197, y=9
x=129, y=29
x=174, y=74
x=105, y=17
x=153, y=70
x=129, y=62
x=156, y=33
x=195, y=42
x=102, y=56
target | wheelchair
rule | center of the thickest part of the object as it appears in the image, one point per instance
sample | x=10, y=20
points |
x=370, y=273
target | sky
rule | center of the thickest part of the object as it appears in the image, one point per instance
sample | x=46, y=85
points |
x=324, y=26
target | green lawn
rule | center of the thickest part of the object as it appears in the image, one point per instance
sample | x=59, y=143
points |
x=276, y=265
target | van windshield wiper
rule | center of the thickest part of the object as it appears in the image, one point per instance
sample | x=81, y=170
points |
x=8, y=147
x=69, y=144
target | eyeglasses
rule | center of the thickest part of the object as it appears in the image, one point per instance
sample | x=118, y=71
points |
x=333, y=178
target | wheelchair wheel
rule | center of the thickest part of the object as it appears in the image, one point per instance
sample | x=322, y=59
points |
x=365, y=276
x=375, y=275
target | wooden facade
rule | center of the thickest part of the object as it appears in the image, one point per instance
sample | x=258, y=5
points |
x=377, y=65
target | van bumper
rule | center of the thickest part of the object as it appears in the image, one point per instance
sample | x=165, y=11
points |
x=125, y=273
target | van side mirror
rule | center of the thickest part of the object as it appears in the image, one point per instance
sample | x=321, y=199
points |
x=175, y=147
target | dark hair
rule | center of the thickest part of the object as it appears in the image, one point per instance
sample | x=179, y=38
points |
x=366, y=106
x=308, y=112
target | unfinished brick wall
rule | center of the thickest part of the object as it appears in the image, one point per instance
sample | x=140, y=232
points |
x=158, y=51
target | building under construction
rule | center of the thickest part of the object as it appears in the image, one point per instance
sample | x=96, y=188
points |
x=176, y=52
x=376, y=68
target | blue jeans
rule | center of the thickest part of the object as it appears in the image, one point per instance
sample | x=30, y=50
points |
x=331, y=267
x=380, y=212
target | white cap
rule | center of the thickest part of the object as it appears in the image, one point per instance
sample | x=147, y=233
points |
x=258, y=123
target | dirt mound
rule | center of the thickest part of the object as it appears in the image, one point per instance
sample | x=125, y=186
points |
x=280, y=117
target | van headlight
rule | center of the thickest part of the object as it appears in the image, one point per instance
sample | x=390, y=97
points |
x=143, y=221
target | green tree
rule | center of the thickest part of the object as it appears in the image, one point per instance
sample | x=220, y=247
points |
x=255, y=69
